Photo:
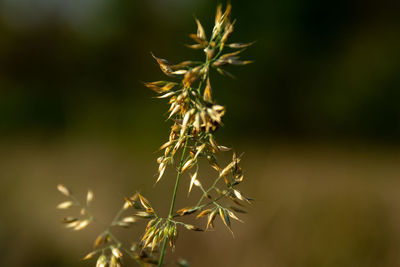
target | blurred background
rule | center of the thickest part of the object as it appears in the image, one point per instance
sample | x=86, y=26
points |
x=317, y=116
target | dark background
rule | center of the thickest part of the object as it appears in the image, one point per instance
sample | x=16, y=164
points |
x=317, y=116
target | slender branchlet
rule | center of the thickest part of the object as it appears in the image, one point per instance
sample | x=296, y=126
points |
x=195, y=118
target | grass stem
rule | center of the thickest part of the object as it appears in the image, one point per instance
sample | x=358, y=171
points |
x=171, y=210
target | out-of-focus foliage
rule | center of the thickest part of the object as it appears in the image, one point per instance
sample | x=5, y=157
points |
x=322, y=68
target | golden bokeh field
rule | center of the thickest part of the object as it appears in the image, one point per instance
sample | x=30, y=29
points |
x=316, y=204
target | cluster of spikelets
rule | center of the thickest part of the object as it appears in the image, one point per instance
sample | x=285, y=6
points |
x=106, y=245
x=195, y=117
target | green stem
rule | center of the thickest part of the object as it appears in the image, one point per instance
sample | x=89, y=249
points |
x=171, y=210
x=208, y=190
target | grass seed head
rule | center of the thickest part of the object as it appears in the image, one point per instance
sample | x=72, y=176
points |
x=195, y=118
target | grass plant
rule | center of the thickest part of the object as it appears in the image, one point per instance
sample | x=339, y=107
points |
x=195, y=117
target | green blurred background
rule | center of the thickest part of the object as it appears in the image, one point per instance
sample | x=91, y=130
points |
x=317, y=116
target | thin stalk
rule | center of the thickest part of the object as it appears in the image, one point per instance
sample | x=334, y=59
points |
x=208, y=190
x=171, y=209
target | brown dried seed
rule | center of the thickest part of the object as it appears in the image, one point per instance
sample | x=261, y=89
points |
x=179, y=72
x=69, y=219
x=233, y=216
x=224, y=148
x=197, y=39
x=239, y=179
x=89, y=255
x=225, y=218
x=195, y=46
x=240, y=45
x=149, y=233
x=81, y=225
x=227, y=33
x=143, y=214
x=192, y=180
x=211, y=217
x=155, y=241
x=239, y=62
x=161, y=173
x=64, y=205
x=129, y=219
x=247, y=199
x=192, y=227
x=72, y=224
x=173, y=237
x=213, y=143
x=154, y=222
x=220, y=62
x=160, y=159
x=218, y=22
x=208, y=92
x=227, y=12
x=225, y=171
x=148, y=240
x=191, y=76
x=114, y=262
x=201, y=34
x=166, y=153
x=232, y=54
x=107, y=239
x=199, y=150
x=128, y=203
x=83, y=211
x=144, y=201
x=165, y=145
x=187, y=210
x=166, y=95
x=184, y=63
x=178, y=144
x=238, y=194
x=216, y=112
x=226, y=73
x=203, y=117
x=210, y=53
x=185, y=121
x=213, y=163
x=188, y=164
x=89, y=197
x=160, y=86
x=203, y=213
x=219, y=109
x=231, y=165
x=196, y=123
x=167, y=87
x=101, y=261
x=175, y=109
x=165, y=66
x=116, y=252
x=64, y=190
x=218, y=13
x=98, y=240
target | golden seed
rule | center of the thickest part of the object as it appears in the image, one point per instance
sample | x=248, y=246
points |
x=65, y=191
x=65, y=205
